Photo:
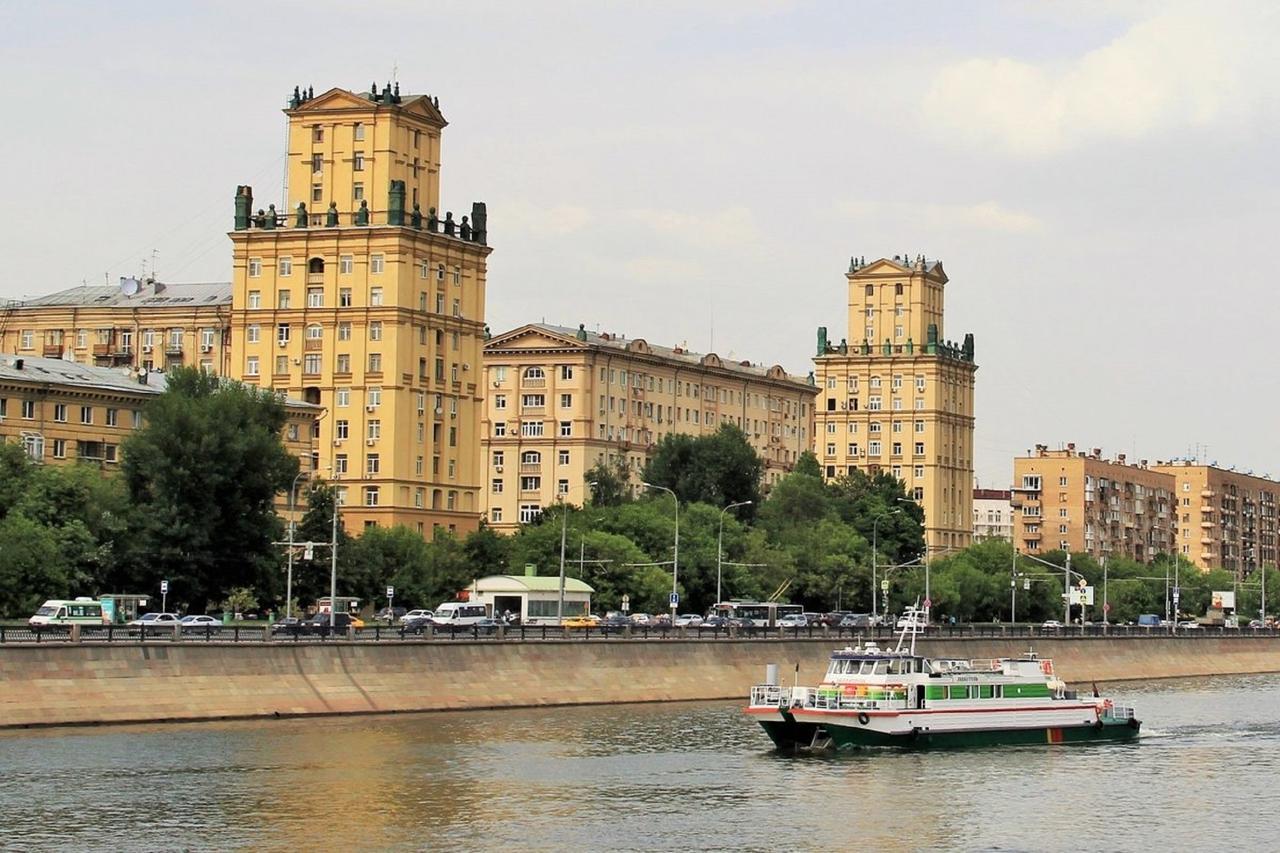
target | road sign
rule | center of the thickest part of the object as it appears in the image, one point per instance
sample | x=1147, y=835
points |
x=675, y=599
x=1083, y=583
x=391, y=591
x=626, y=603
x=928, y=602
x=884, y=586
x=1026, y=584
x=1106, y=607
x=164, y=587
x=309, y=552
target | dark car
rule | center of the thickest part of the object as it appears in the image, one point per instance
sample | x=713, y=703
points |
x=288, y=625
x=319, y=623
x=415, y=624
x=714, y=623
x=391, y=614
x=857, y=620
x=614, y=624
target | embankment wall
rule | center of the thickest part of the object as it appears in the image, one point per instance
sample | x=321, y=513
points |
x=118, y=683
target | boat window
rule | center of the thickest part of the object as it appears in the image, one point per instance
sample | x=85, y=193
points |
x=881, y=667
x=899, y=666
x=850, y=667
x=999, y=691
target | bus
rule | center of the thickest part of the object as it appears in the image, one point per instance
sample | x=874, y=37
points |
x=763, y=614
x=80, y=611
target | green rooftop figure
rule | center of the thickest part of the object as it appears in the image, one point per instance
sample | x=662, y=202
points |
x=331, y=218
x=300, y=217
x=449, y=225
x=362, y=215
x=415, y=218
x=270, y=221
x=433, y=224
x=464, y=230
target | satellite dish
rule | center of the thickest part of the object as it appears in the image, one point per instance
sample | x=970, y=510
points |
x=129, y=285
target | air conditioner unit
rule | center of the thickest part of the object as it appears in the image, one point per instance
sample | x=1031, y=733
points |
x=282, y=344
x=146, y=347
x=337, y=442
x=297, y=361
x=206, y=348
x=370, y=408
x=369, y=442
x=497, y=383
x=453, y=415
x=466, y=365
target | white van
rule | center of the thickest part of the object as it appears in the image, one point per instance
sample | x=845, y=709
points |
x=81, y=611
x=456, y=614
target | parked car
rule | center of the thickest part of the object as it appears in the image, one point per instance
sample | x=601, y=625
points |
x=415, y=624
x=1051, y=623
x=907, y=620
x=416, y=614
x=288, y=625
x=571, y=622
x=319, y=623
x=688, y=620
x=641, y=619
x=200, y=624
x=1189, y=624
x=793, y=620
x=857, y=620
x=714, y=623
x=155, y=621
x=391, y=615
x=615, y=624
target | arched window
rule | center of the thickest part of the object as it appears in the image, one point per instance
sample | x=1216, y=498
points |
x=315, y=265
x=531, y=457
x=315, y=332
x=535, y=373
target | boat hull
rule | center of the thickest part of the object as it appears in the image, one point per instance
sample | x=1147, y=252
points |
x=789, y=734
x=849, y=737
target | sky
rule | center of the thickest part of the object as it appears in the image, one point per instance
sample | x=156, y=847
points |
x=1098, y=179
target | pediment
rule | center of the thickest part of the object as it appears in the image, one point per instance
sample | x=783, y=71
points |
x=532, y=338
x=334, y=99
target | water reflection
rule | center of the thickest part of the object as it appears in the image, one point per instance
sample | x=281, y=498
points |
x=655, y=777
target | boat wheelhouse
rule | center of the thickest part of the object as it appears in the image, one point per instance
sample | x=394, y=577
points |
x=878, y=697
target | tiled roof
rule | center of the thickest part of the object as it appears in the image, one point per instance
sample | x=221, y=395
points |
x=59, y=372
x=149, y=295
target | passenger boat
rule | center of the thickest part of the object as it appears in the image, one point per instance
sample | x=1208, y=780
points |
x=880, y=697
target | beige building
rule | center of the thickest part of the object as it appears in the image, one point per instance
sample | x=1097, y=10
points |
x=62, y=411
x=561, y=400
x=992, y=515
x=139, y=323
x=1079, y=502
x=1226, y=519
x=362, y=299
x=899, y=399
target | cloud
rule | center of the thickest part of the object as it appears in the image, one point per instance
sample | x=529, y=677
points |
x=1185, y=67
x=726, y=228
x=984, y=216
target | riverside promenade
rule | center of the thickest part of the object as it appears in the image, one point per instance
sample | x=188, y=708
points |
x=50, y=684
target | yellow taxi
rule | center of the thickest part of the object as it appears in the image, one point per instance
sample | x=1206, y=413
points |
x=580, y=622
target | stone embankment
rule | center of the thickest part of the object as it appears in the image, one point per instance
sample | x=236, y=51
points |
x=44, y=685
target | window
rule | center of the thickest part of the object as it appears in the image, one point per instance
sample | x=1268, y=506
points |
x=282, y=365
x=357, y=191
x=358, y=131
x=86, y=414
x=566, y=429
x=529, y=513
x=315, y=297
x=59, y=448
x=499, y=429
x=530, y=484
x=566, y=371
x=252, y=334
x=377, y=263
x=346, y=264
x=874, y=404
x=255, y=267
x=357, y=162
x=831, y=448
x=563, y=457
x=495, y=485
x=371, y=494
x=919, y=448
x=282, y=333
x=60, y=413
x=343, y=364
x=282, y=299
x=372, y=464
x=255, y=301
x=896, y=449
x=374, y=398
x=375, y=330
x=311, y=364
x=531, y=429
x=919, y=426
x=317, y=193
x=374, y=430
x=499, y=401
x=873, y=448
x=33, y=445
x=533, y=401
x=457, y=308
x=918, y=471
x=897, y=290
x=341, y=430
x=375, y=296
x=251, y=367
x=871, y=290
x=897, y=426
x=113, y=417
x=566, y=401
x=28, y=410
x=1062, y=481
x=375, y=362
x=340, y=463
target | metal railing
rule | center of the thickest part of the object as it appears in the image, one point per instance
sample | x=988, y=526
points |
x=529, y=633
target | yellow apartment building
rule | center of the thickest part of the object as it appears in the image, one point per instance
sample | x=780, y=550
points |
x=1226, y=518
x=139, y=323
x=1079, y=502
x=899, y=397
x=365, y=298
x=63, y=411
x=561, y=400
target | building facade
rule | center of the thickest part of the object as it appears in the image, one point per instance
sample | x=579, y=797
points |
x=899, y=399
x=561, y=400
x=140, y=323
x=365, y=300
x=992, y=515
x=62, y=411
x=1076, y=501
x=1226, y=519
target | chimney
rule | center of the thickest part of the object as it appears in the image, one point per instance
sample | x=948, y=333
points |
x=18, y=363
x=1071, y=445
x=1120, y=458
x=1097, y=453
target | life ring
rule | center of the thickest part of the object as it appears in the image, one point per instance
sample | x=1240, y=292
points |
x=1098, y=726
x=863, y=719
x=1046, y=666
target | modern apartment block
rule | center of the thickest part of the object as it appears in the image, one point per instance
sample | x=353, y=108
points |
x=897, y=397
x=1226, y=518
x=62, y=411
x=366, y=297
x=560, y=400
x=140, y=323
x=992, y=515
x=1077, y=501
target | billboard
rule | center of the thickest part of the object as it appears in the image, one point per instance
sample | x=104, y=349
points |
x=1224, y=600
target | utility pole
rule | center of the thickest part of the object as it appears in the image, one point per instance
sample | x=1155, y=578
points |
x=333, y=560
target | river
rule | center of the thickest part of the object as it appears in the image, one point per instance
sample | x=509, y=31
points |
x=681, y=776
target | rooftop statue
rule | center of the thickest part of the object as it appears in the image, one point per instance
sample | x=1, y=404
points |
x=300, y=217
x=362, y=215
x=331, y=218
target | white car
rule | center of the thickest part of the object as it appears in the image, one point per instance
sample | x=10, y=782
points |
x=793, y=620
x=641, y=619
x=688, y=620
x=155, y=621
x=417, y=614
x=200, y=623
x=1051, y=623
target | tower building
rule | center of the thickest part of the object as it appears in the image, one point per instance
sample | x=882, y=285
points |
x=899, y=399
x=364, y=296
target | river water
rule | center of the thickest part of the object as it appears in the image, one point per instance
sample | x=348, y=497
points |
x=1206, y=772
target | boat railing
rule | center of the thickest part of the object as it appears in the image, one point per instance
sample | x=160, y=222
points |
x=1120, y=712
x=830, y=700
x=770, y=695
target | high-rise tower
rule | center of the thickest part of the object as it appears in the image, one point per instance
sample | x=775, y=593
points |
x=364, y=296
x=899, y=399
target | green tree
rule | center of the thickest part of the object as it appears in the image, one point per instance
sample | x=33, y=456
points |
x=202, y=476
x=859, y=498
x=808, y=464
x=311, y=577
x=609, y=483
x=716, y=469
x=32, y=567
x=15, y=469
x=487, y=552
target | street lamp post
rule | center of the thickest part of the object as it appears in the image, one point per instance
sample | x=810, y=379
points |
x=874, y=543
x=675, y=555
x=333, y=557
x=564, y=525
x=720, y=544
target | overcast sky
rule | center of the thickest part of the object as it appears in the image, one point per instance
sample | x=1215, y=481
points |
x=1098, y=179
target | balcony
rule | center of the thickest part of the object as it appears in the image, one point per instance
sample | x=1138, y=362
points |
x=1207, y=493
x=526, y=382
x=101, y=350
x=52, y=350
x=530, y=467
x=313, y=345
